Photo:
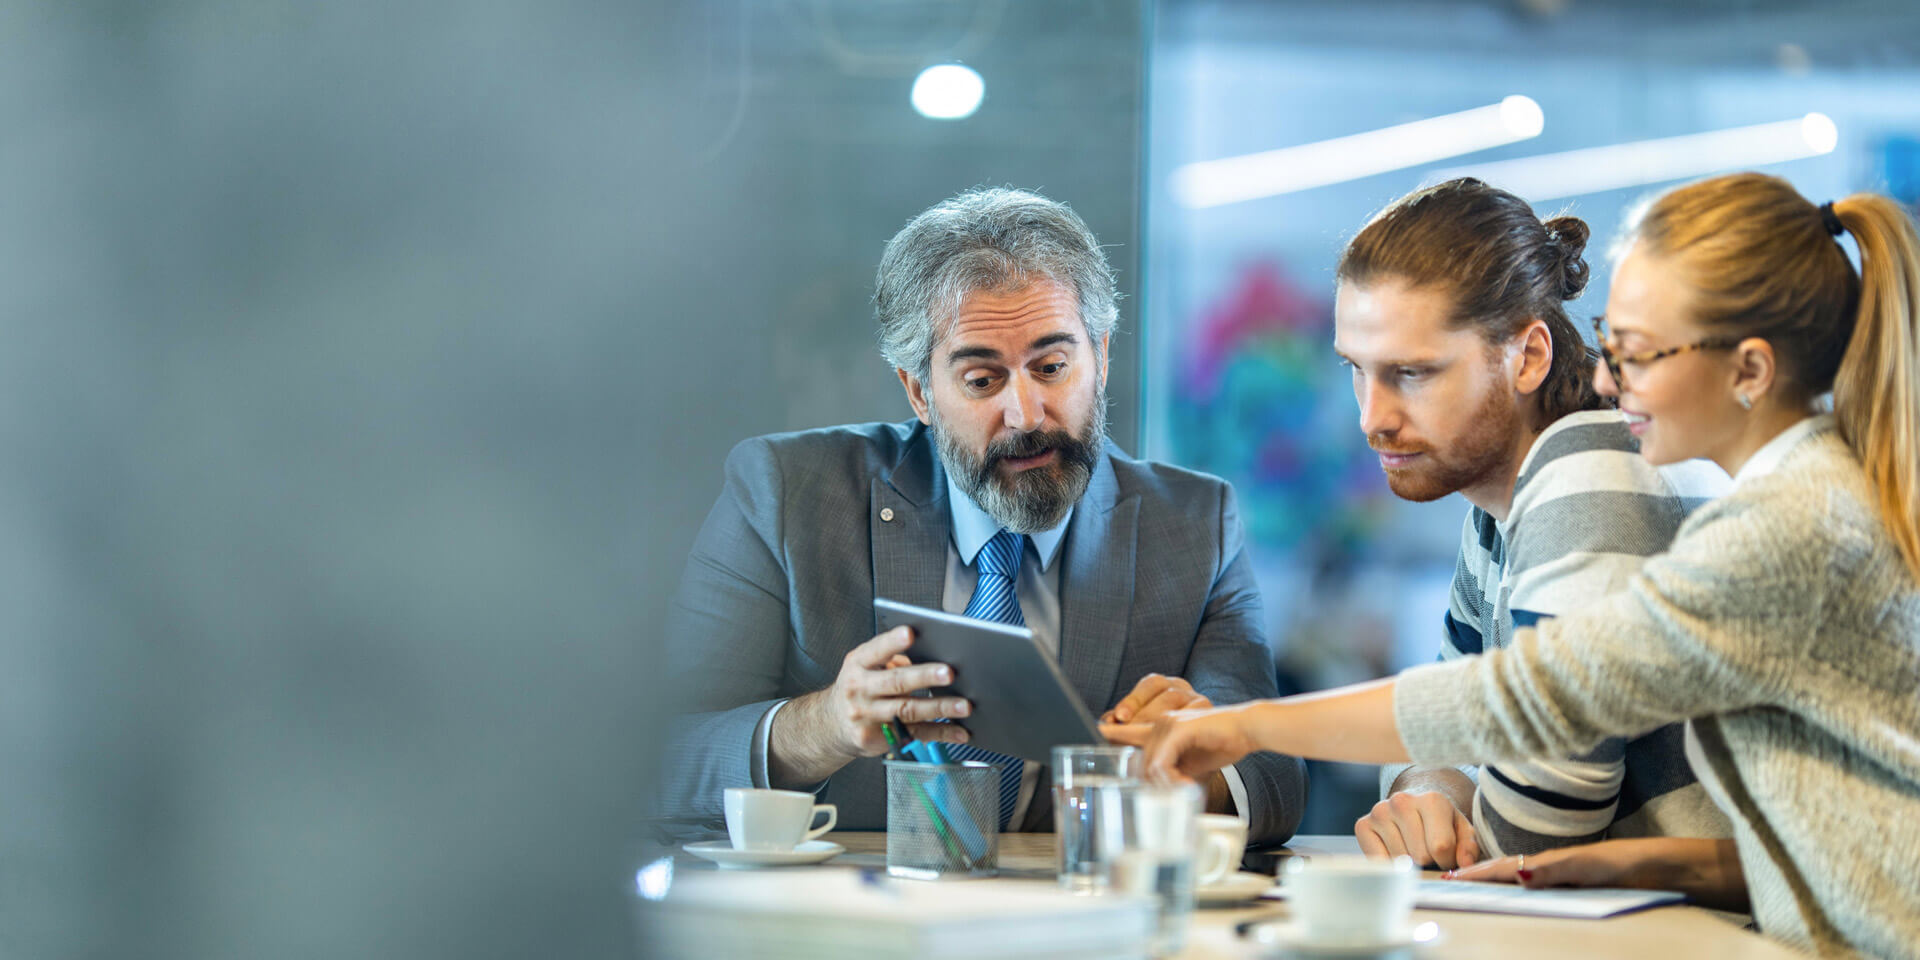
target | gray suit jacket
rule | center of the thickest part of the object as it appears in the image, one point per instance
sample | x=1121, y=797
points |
x=782, y=578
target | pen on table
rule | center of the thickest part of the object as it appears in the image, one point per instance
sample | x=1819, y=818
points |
x=875, y=879
x=1246, y=926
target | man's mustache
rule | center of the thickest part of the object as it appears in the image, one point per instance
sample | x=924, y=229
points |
x=1383, y=445
x=1023, y=445
x=1032, y=444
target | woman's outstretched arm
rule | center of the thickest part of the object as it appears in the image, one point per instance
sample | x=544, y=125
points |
x=1354, y=724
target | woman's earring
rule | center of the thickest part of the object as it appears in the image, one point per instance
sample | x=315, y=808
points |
x=1746, y=402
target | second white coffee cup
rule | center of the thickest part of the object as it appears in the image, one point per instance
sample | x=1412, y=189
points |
x=774, y=821
x=1350, y=901
x=1223, y=841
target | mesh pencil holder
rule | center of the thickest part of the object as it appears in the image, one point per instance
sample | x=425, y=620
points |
x=943, y=819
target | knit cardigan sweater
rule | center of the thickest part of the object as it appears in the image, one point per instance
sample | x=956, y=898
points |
x=1784, y=626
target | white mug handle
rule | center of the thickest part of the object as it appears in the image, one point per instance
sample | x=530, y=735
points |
x=833, y=817
x=1216, y=860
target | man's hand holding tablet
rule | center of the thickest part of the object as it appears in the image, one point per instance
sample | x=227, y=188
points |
x=1020, y=703
x=818, y=733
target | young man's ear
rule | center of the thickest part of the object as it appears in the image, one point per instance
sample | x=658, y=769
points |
x=916, y=395
x=1532, y=357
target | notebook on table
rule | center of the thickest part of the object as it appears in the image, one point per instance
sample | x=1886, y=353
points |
x=1577, y=903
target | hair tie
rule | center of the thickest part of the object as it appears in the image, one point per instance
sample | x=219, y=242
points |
x=1834, y=226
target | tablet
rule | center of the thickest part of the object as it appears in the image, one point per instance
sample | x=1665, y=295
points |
x=1023, y=705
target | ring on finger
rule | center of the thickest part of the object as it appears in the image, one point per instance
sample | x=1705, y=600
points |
x=1523, y=863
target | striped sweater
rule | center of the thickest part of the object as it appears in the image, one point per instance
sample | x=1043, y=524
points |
x=1587, y=511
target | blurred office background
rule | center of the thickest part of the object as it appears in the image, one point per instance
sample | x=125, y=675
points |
x=373, y=365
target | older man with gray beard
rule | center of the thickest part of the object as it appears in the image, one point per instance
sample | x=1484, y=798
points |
x=1003, y=498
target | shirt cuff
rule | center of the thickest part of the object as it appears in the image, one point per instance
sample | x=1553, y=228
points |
x=1238, y=789
x=757, y=755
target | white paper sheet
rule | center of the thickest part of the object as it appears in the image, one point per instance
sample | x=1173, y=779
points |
x=1580, y=903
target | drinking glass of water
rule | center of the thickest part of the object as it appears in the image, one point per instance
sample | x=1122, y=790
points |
x=1088, y=816
x=1162, y=829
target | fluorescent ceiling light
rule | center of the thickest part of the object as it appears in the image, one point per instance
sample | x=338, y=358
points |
x=1595, y=169
x=1211, y=183
x=948, y=92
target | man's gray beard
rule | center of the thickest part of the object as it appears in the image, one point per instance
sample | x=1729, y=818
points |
x=1034, y=500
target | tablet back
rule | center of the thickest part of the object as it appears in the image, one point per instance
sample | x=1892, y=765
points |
x=1022, y=704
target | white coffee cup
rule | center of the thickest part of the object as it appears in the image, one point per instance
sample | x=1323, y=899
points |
x=774, y=821
x=1350, y=901
x=1223, y=840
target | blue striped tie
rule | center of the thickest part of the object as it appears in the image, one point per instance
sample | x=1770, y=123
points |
x=995, y=599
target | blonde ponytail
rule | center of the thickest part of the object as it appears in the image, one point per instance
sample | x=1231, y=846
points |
x=1876, y=393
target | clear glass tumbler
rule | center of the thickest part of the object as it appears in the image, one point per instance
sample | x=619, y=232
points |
x=1162, y=830
x=1088, y=820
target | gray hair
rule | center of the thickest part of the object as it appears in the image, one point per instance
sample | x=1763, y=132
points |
x=993, y=239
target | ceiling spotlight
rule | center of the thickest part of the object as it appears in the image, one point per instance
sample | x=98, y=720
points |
x=948, y=91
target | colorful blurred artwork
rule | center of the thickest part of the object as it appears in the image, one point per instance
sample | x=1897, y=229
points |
x=1261, y=400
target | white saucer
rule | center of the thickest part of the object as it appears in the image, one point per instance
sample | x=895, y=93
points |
x=1287, y=939
x=723, y=853
x=1232, y=888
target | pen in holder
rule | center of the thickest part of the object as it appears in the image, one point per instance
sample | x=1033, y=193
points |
x=943, y=819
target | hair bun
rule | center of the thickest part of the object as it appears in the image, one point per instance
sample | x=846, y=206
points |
x=1568, y=236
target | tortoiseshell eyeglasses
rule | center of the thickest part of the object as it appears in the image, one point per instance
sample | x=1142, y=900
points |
x=1644, y=357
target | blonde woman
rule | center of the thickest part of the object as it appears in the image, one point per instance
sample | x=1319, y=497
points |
x=1784, y=622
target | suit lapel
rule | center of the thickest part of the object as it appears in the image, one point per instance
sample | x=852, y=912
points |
x=909, y=524
x=1096, y=587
